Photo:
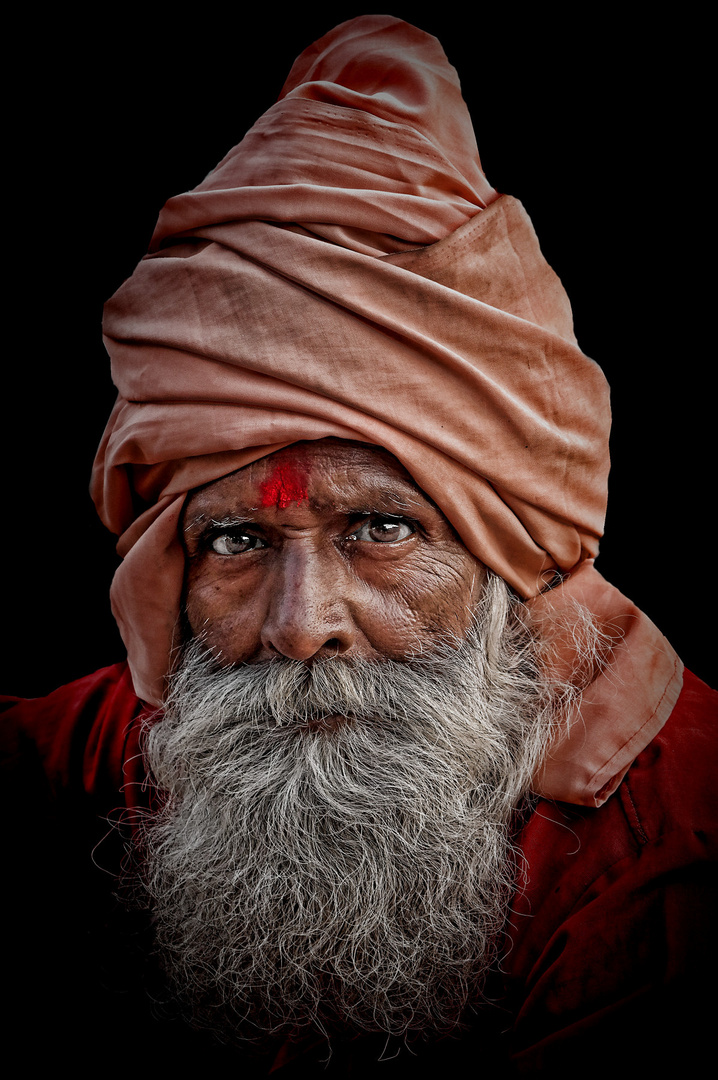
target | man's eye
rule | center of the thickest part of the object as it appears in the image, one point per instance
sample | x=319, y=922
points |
x=383, y=530
x=236, y=543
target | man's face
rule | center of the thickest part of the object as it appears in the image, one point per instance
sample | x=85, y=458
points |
x=341, y=755
x=324, y=548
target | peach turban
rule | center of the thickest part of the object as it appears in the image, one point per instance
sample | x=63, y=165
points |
x=348, y=271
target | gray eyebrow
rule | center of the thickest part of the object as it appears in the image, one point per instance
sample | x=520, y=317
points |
x=220, y=523
x=402, y=500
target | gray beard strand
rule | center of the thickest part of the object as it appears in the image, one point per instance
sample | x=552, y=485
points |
x=308, y=875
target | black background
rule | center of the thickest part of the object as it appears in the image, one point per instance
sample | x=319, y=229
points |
x=596, y=122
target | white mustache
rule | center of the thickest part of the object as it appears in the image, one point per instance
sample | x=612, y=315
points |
x=291, y=692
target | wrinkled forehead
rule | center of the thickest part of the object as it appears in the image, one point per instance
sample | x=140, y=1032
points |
x=324, y=474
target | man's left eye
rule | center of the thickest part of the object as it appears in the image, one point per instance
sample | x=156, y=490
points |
x=382, y=530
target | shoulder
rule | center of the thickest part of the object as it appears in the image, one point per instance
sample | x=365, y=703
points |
x=65, y=760
x=669, y=789
x=77, y=735
x=616, y=915
x=671, y=785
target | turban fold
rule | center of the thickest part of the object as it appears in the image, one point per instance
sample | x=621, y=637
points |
x=348, y=271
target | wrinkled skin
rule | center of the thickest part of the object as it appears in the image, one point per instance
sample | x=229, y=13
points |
x=324, y=548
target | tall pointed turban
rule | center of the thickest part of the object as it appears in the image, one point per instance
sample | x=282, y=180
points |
x=348, y=271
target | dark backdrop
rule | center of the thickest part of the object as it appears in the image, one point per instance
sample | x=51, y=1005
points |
x=597, y=126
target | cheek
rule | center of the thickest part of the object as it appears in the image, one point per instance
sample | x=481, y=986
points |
x=452, y=587
x=227, y=616
x=432, y=598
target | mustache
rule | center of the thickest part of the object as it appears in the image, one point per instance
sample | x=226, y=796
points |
x=290, y=693
x=456, y=709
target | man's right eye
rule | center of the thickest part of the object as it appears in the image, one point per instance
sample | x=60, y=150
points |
x=236, y=542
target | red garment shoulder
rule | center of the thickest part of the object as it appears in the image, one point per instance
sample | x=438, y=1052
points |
x=84, y=734
x=672, y=783
x=617, y=910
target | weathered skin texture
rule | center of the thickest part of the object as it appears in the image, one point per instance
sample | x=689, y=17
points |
x=324, y=548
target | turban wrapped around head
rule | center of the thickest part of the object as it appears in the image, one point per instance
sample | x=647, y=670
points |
x=348, y=271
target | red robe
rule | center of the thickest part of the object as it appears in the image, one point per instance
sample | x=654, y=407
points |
x=611, y=941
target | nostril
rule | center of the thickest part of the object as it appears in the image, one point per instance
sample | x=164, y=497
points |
x=307, y=650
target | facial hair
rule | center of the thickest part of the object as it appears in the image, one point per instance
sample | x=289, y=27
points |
x=333, y=848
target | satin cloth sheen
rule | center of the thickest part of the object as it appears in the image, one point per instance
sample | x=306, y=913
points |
x=348, y=271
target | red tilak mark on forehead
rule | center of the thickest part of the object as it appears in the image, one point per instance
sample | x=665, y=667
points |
x=286, y=485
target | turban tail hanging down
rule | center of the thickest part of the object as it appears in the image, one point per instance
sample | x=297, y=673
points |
x=348, y=271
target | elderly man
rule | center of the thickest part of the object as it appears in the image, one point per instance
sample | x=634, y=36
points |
x=402, y=781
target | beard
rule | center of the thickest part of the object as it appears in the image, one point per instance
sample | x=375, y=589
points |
x=333, y=845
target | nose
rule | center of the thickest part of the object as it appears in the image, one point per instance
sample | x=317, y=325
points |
x=308, y=614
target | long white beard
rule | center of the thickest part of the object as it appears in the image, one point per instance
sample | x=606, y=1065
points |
x=312, y=873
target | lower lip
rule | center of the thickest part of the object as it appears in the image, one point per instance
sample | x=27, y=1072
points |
x=332, y=722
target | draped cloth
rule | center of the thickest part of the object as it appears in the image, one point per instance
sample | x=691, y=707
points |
x=348, y=271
